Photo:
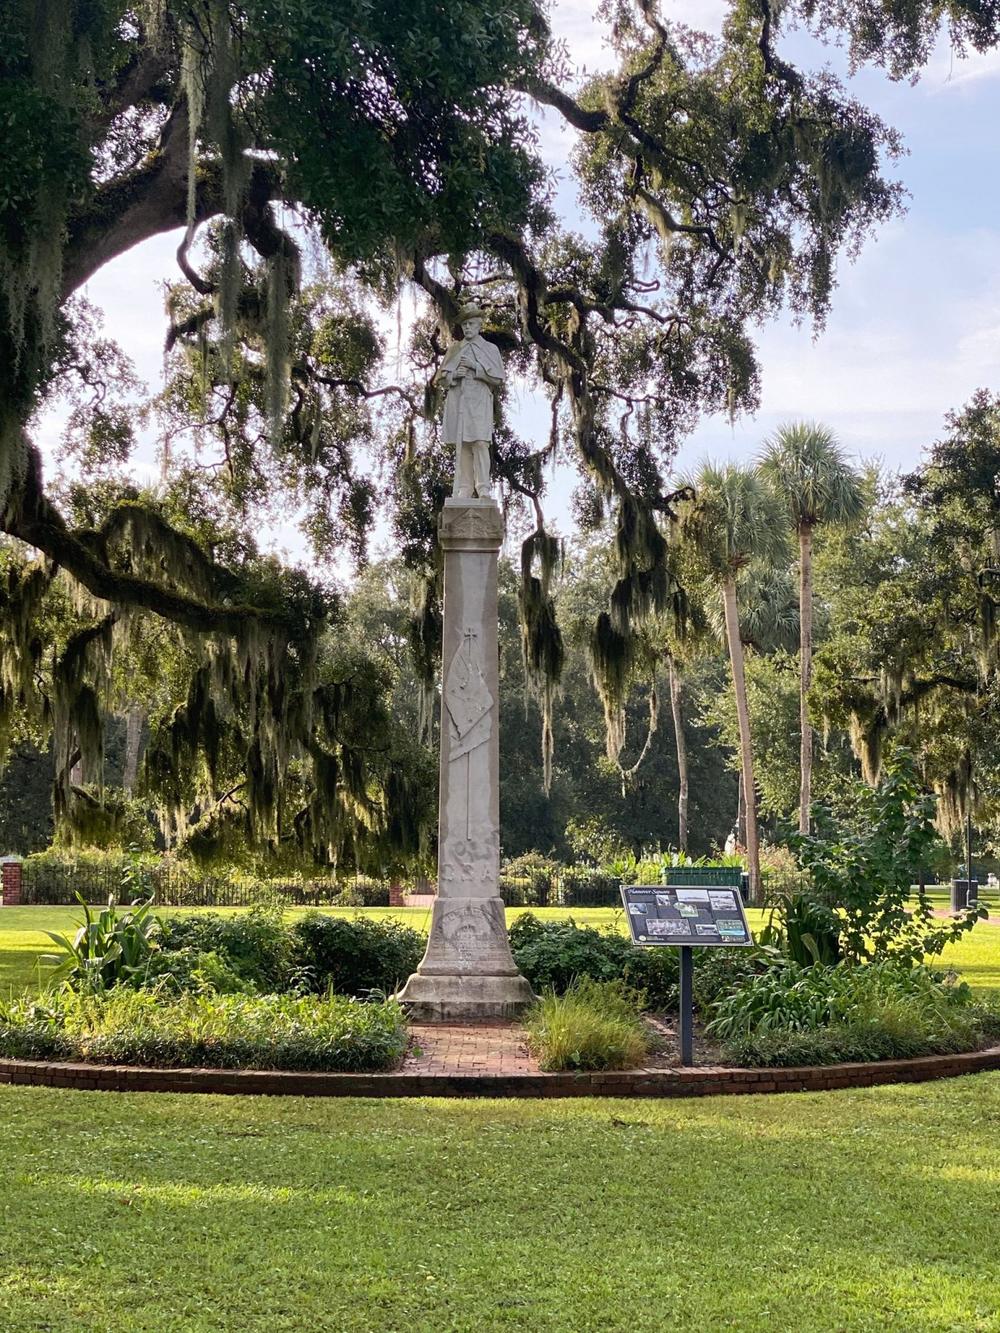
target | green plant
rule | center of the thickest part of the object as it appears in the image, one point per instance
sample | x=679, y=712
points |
x=529, y=879
x=110, y=948
x=554, y=955
x=912, y=1006
x=803, y=928
x=720, y=972
x=594, y=1025
x=582, y=886
x=865, y=863
x=137, y=883
x=257, y=945
x=355, y=956
x=124, y=1026
x=199, y=970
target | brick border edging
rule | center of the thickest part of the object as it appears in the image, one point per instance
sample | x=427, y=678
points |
x=624, y=1083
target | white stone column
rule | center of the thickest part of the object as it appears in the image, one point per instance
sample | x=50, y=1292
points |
x=468, y=971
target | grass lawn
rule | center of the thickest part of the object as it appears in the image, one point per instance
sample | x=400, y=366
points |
x=859, y=1210
x=22, y=937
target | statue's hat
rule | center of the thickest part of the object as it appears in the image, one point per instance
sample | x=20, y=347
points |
x=471, y=311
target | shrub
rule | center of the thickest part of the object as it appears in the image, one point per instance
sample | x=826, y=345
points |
x=801, y=926
x=720, y=972
x=554, y=954
x=528, y=880
x=355, y=956
x=124, y=1026
x=257, y=945
x=842, y=1043
x=364, y=892
x=799, y=1015
x=198, y=970
x=594, y=1025
x=110, y=947
x=865, y=863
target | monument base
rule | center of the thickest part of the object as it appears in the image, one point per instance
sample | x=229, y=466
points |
x=467, y=973
x=464, y=999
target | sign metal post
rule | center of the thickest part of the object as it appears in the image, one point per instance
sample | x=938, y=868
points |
x=687, y=916
x=687, y=1005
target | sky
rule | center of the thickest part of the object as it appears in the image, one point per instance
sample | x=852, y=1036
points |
x=915, y=324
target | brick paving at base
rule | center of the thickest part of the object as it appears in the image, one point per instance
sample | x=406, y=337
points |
x=486, y=1048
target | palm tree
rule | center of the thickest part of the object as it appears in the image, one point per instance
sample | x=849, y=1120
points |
x=807, y=468
x=735, y=518
x=766, y=598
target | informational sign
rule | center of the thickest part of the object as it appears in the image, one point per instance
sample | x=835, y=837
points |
x=686, y=914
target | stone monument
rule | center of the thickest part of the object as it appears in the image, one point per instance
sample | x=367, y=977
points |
x=467, y=971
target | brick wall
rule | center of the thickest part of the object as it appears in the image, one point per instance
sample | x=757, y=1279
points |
x=627, y=1083
x=11, y=882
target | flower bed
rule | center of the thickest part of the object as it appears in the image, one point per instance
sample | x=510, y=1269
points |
x=151, y=1028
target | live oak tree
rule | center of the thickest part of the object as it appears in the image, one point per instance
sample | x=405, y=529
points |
x=721, y=182
x=911, y=653
x=900, y=34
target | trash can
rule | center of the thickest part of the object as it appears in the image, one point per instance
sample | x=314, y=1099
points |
x=964, y=893
x=708, y=877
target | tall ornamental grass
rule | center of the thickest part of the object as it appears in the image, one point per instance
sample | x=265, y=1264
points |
x=594, y=1025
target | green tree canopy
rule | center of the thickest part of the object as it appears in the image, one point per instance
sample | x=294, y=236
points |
x=722, y=185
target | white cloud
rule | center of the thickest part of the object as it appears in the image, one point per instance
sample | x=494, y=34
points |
x=947, y=70
x=913, y=333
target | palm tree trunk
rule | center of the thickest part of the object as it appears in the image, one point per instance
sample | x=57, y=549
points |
x=805, y=673
x=746, y=746
x=741, y=810
x=677, y=712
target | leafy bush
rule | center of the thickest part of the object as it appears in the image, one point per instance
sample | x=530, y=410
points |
x=901, y=1039
x=110, y=948
x=124, y=1026
x=554, y=954
x=720, y=972
x=802, y=927
x=793, y=1015
x=594, y=1025
x=363, y=892
x=197, y=970
x=257, y=945
x=865, y=862
x=354, y=956
x=528, y=880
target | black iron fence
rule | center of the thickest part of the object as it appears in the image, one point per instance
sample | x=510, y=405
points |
x=50, y=880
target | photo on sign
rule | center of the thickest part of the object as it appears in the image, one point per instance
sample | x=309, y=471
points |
x=687, y=909
x=722, y=901
x=663, y=927
x=693, y=896
x=733, y=929
x=705, y=928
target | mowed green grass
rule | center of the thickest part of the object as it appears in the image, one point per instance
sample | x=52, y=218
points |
x=874, y=1209
x=23, y=940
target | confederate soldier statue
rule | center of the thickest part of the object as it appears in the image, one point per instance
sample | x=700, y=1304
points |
x=470, y=373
